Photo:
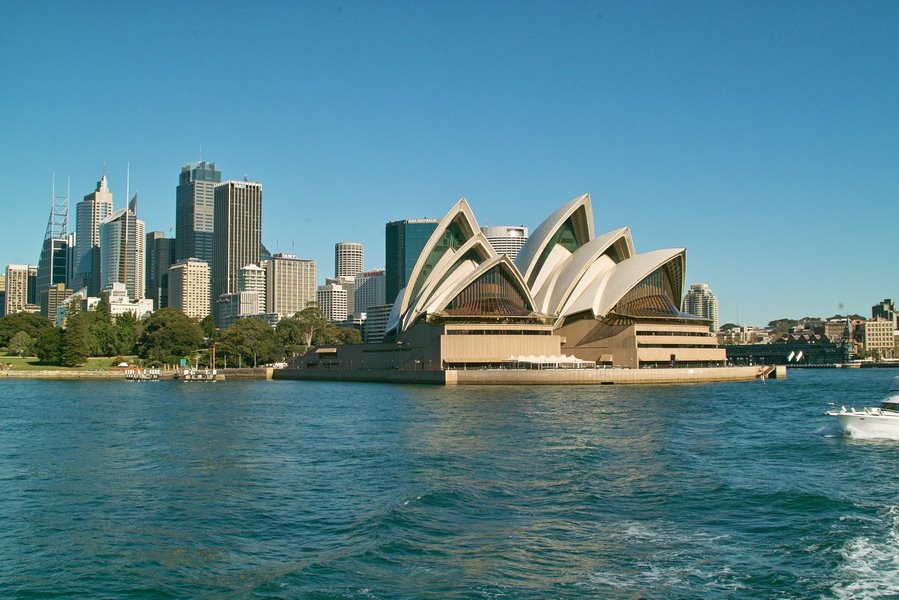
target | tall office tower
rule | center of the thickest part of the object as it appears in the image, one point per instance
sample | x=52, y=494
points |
x=886, y=311
x=51, y=298
x=700, y=301
x=251, y=278
x=349, y=285
x=17, y=289
x=238, y=234
x=160, y=252
x=122, y=250
x=195, y=211
x=370, y=290
x=53, y=266
x=2, y=294
x=349, y=259
x=332, y=302
x=32, y=295
x=89, y=213
x=505, y=239
x=290, y=284
x=188, y=287
x=404, y=242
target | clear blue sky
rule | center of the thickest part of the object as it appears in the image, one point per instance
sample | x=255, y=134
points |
x=762, y=136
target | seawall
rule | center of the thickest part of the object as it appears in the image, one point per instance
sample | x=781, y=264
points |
x=528, y=377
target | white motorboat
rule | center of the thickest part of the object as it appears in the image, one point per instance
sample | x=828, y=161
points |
x=882, y=421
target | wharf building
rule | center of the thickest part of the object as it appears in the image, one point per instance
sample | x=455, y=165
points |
x=188, y=287
x=160, y=253
x=290, y=284
x=506, y=239
x=237, y=234
x=573, y=296
x=404, y=241
x=122, y=250
x=89, y=213
x=195, y=211
x=349, y=259
x=700, y=301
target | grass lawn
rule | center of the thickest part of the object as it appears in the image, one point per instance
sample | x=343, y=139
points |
x=30, y=363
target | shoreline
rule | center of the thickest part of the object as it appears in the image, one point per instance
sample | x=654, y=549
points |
x=119, y=375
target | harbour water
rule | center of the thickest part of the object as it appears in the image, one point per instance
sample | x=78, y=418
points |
x=345, y=490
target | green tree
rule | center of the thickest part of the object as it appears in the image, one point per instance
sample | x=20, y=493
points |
x=49, y=346
x=252, y=339
x=77, y=341
x=312, y=322
x=781, y=326
x=32, y=324
x=169, y=335
x=290, y=337
x=207, y=326
x=21, y=344
x=103, y=308
x=125, y=333
x=347, y=335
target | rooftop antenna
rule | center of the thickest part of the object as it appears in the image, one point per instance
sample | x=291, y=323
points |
x=201, y=152
x=58, y=223
x=127, y=182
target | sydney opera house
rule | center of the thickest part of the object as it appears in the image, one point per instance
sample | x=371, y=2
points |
x=570, y=299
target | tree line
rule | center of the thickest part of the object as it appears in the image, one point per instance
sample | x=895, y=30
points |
x=167, y=336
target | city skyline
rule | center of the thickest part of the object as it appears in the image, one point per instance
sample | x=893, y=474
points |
x=739, y=133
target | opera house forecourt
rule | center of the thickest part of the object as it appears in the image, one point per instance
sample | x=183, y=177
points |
x=574, y=307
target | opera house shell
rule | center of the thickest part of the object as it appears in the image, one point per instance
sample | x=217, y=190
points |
x=569, y=292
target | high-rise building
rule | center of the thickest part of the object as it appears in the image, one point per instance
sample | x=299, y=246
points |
x=2, y=294
x=53, y=266
x=404, y=242
x=160, y=252
x=886, y=310
x=122, y=250
x=349, y=259
x=51, y=298
x=700, y=301
x=369, y=290
x=237, y=233
x=89, y=213
x=506, y=239
x=290, y=284
x=188, y=287
x=195, y=211
x=349, y=285
x=231, y=307
x=375, y=324
x=19, y=283
x=877, y=337
x=251, y=278
x=332, y=300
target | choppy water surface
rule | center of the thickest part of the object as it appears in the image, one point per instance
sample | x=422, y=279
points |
x=293, y=489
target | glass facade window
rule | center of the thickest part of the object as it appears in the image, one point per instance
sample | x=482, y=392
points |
x=493, y=294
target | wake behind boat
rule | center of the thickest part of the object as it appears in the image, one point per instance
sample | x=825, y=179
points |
x=882, y=421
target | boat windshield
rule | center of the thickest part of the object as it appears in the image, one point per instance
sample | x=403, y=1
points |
x=893, y=406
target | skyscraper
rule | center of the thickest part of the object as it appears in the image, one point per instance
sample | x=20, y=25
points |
x=290, y=284
x=160, y=252
x=188, y=287
x=195, y=211
x=122, y=250
x=53, y=266
x=251, y=278
x=349, y=259
x=505, y=239
x=404, y=242
x=238, y=233
x=369, y=290
x=89, y=213
x=332, y=302
x=18, y=282
x=700, y=301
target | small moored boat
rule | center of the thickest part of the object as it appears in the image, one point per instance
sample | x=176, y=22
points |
x=882, y=421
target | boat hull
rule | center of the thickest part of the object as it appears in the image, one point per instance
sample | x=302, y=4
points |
x=868, y=425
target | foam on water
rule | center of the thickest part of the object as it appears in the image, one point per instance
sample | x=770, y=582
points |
x=870, y=563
